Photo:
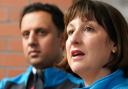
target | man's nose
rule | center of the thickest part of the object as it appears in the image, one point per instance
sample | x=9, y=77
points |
x=32, y=41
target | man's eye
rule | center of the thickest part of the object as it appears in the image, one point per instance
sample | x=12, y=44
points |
x=25, y=34
x=41, y=32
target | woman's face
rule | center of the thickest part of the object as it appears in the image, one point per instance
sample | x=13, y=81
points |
x=88, y=46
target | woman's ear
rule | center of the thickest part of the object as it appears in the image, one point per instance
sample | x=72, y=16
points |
x=114, y=48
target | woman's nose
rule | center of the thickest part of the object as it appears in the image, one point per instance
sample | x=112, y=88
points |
x=75, y=38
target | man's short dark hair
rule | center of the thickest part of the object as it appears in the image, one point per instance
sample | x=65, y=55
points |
x=56, y=13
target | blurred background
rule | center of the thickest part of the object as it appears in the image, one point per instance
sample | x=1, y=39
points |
x=12, y=61
x=121, y=5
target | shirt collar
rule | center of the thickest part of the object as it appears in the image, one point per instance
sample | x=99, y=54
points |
x=34, y=70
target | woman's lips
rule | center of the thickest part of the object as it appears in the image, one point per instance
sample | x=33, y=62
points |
x=77, y=55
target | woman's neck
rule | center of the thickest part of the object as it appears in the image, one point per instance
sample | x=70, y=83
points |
x=91, y=76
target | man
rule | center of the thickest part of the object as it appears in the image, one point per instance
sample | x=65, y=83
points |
x=42, y=26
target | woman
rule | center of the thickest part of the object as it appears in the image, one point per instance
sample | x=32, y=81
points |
x=96, y=44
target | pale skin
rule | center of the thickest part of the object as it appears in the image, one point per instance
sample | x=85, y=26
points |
x=88, y=49
x=41, y=39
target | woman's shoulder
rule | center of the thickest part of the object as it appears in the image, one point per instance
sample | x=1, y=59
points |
x=122, y=85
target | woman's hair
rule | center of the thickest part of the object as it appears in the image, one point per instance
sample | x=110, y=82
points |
x=111, y=20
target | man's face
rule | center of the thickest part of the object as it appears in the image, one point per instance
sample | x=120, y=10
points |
x=41, y=39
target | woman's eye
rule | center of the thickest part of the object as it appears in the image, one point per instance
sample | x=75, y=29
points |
x=70, y=32
x=89, y=29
